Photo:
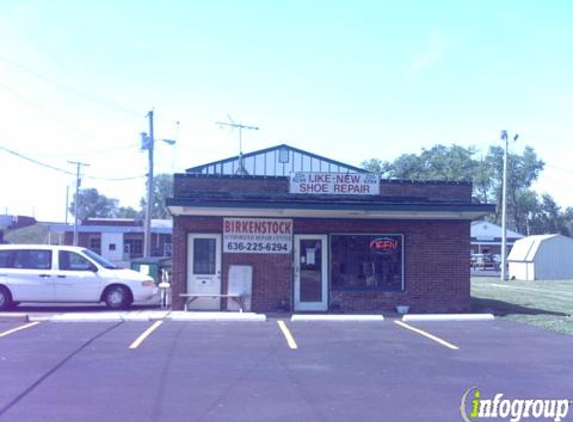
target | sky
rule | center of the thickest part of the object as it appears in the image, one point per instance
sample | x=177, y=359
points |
x=349, y=80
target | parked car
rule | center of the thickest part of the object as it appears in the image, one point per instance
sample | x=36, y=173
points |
x=48, y=273
x=486, y=262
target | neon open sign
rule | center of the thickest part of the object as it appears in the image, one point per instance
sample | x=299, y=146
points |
x=384, y=245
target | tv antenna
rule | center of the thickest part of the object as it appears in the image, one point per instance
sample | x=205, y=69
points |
x=240, y=126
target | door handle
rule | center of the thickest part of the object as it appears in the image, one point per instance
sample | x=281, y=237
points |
x=61, y=276
x=44, y=276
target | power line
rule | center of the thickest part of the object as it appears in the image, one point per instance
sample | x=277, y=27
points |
x=31, y=160
x=51, y=167
x=47, y=113
x=108, y=104
x=94, y=152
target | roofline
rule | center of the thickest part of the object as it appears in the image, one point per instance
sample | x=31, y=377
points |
x=382, y=181
x=320, y=205
x=263, y=151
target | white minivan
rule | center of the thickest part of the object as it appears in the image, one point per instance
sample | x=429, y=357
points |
x=48, y=273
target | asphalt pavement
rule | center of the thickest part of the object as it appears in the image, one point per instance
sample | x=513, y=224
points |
x=248, y=371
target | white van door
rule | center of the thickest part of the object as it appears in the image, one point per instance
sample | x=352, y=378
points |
x=30, y=278
x=76, y=279
x=204, y=270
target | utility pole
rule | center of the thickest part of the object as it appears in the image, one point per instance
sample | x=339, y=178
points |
x=78, y=182
x=504, y=137
x=149, y=145
x=240, y=126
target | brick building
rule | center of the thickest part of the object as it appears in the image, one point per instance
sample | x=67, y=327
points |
x=320, y=235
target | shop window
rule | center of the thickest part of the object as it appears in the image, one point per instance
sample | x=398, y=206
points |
x=367, y=262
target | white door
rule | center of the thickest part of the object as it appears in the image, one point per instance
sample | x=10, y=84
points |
x=310, y=273
x=204, y=269
x=76, y=279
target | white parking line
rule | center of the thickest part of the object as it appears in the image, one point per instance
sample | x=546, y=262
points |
x=14, y=330
x=428, y=335
x=288, y=336
x=145, y=334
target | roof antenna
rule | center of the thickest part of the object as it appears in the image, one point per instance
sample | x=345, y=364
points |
x=241, y=170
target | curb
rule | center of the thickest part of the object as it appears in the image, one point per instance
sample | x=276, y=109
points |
x=144, y=316
x=448, y=317
x=337, y=318
x=216, y=316
x=12, y=317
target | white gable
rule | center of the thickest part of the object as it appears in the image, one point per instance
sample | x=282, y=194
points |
x=276, y=161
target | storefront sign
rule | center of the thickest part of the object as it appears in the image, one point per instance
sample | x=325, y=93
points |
x=257, y=235
x=384, y=245
x=335, y=183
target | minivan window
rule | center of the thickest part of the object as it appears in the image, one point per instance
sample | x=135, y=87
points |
x=100, y=260
x=70, y=261
x=5, y=259
x=32, y=259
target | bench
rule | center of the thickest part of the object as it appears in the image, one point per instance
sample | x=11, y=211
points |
x=240, y=299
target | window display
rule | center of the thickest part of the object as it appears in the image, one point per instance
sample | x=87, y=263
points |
x=367, y=262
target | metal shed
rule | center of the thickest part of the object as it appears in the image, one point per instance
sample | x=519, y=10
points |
x=542, y=257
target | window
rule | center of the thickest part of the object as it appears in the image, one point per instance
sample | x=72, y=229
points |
x=71, y=261
x=112, y=247
x=95, y=244
x=367, y=262
x=31, y=259
x=6, y=259
x=133, y=247
x=204, y=255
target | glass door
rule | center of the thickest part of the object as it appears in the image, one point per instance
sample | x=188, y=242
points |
x=310, y=273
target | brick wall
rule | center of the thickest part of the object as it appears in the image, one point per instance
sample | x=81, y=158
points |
x=436, y=264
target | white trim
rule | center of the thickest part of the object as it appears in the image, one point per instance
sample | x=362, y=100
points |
x=293, y=213
x=311, y=306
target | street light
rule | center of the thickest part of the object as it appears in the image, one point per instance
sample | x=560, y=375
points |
x=504, y=137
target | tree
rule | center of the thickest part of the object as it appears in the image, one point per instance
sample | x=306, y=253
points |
x=457, y=163
x=128, y=212
x=91, y=204
x=162, y=189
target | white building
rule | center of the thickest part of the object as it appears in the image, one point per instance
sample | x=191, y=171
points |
x=486, y=237
x=542, y=257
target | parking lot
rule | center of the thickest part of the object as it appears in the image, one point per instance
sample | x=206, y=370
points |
x=252, y=371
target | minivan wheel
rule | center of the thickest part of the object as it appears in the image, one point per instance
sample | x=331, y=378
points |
x=117, y=297
x=5, y=298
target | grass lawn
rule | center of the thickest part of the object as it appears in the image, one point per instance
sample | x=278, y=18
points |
x=548, y=304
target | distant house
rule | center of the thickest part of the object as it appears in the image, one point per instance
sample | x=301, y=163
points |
x=119, y=239
x=486, y=238
x=542, y=257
